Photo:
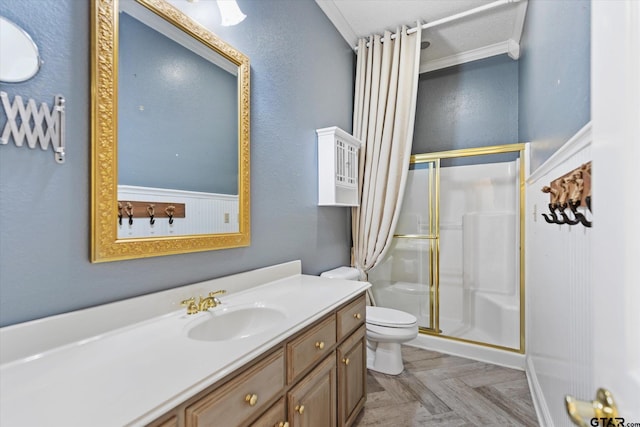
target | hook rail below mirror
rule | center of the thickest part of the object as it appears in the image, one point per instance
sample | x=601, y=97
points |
x=140, y=209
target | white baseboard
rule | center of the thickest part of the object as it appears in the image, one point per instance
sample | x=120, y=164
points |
x=539, y=403
x=471, y=351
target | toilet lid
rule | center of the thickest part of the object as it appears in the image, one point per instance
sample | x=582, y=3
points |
x=382, y=316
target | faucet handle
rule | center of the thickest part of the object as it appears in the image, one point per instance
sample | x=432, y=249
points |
x=192, y=307
x=212, y=295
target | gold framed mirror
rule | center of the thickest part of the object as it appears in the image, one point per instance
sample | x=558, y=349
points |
x=160, y=221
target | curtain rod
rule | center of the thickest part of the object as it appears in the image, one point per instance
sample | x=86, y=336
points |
x=457, y=16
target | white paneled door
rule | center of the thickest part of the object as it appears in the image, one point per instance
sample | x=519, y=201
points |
x=615, y=92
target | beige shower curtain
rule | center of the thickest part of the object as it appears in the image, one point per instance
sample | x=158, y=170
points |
x=383, y=119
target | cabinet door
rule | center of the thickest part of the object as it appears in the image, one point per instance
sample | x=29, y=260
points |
x=274, y=417
x=352, y=377
x=312, y=403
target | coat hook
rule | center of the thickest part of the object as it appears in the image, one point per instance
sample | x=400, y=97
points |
x=565, y=217
x=553, y=205
x=129, y=210
x=169, y=210
x=573, y=204
x=151, y=210
x=553, y=219
x=558, y=220
x=119, y=213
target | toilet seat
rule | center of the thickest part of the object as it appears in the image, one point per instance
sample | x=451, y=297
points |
x=390, y=318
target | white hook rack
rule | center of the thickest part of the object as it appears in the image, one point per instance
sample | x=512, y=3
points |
x=41, y=125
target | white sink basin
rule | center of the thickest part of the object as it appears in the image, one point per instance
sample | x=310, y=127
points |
x=233, y=323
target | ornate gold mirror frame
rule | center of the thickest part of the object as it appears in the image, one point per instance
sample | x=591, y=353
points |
x=105, y=245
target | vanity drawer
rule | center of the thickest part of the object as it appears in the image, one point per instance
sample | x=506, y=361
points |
x=232, y=403
x=351, y=317
x=310, y=347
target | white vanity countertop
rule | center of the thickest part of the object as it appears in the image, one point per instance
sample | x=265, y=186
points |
x=132, y=375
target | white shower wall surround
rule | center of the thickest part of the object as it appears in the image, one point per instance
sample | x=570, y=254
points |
x=479, y=239
x=205, y=213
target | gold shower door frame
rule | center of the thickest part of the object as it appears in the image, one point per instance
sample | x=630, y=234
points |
x=434, y=234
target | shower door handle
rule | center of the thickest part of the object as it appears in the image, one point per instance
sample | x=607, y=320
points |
x=596, y=411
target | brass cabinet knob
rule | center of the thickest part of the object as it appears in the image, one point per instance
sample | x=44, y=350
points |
x=299, y=409
x=251, y=399
x=319, y=345
x=346, y=361
x=282, y=424
x=357, y=316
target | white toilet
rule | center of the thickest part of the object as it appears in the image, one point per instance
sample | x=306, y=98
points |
x=386, y=330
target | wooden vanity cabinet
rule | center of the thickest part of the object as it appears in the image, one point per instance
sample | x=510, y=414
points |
x=316, y=377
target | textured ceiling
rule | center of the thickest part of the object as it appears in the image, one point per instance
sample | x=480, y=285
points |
x=487, y=33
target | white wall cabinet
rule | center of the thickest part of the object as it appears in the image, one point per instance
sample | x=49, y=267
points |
x=337, y=167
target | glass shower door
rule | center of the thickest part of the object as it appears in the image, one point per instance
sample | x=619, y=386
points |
x=479, y=277
x=456, y=258
x=405, y=280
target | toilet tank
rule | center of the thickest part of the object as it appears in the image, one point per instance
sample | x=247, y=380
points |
x=346, y=273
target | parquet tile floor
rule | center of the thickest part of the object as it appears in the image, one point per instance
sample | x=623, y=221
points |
x=436, y=389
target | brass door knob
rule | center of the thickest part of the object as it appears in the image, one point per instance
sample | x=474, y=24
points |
x=346, y=361
x=299, y=409
x=602, y=407
x=357, y=316
x=319, y=345
x=251, y=399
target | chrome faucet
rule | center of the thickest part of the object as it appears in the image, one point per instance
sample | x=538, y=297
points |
x=203, y=304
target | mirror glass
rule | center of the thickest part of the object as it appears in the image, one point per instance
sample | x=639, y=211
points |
x=20, y=58
x=173, y=140
x=177, y=126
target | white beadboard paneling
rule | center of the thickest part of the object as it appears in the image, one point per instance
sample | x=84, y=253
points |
x=205, y=212
x=558, y=292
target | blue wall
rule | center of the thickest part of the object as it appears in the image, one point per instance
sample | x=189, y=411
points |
x=301, y=80
x=466, y=106
x=177, y=115
x=555, y=73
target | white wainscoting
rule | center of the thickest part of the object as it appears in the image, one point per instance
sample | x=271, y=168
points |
x=205, y=213
x=558, y=289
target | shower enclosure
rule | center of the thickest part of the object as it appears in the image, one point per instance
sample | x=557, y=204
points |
x=456, y=259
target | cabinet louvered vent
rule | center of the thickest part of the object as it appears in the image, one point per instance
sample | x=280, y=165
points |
x=346, y=159
x=337, y=167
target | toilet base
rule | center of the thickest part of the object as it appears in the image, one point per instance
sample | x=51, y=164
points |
x=384, y=357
